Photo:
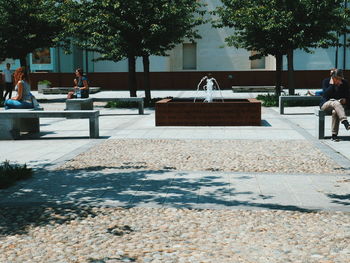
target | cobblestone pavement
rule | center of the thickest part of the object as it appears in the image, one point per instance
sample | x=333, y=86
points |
x=210, y=155
x=76, y=234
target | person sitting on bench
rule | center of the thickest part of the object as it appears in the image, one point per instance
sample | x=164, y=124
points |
x=81, y=86
x=24, y=98
x=336, y=96
x=324, y=85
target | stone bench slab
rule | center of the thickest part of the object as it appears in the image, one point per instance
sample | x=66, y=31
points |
x=283, y=99
x=11, y=121
x=79, y=104
x=140, y=101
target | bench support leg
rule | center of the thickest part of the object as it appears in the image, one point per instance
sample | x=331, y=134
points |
x=9, y=129
x=94, y=127
x=320, y=125
x=141, y=106
x=281, y=105
x=29, y=124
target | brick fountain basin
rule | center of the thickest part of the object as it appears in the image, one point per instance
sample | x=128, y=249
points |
x=231, y=112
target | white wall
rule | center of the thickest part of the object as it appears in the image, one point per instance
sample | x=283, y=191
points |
x=157, y=63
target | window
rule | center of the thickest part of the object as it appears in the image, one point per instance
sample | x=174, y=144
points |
x=41, y=56
x=257, y=63
x=189, y=56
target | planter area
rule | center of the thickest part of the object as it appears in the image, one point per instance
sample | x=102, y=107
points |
x=185, y=112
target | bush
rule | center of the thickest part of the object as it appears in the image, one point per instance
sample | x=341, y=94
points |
x=272, y=101
x=44, y=82
x=132, y=104
x=10, y=173
x=268, y=100
x=121, y=104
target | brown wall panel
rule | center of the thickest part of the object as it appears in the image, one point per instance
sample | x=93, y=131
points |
x=185, y=80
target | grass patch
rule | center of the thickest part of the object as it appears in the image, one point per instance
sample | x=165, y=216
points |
x=133, y=104
x=271, y=100
x=10, y=173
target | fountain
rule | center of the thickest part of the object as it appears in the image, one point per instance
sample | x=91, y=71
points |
x=208, y=111
x=209, y=88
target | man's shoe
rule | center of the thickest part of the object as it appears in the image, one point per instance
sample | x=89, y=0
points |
x=335, y=138
x=346, y=124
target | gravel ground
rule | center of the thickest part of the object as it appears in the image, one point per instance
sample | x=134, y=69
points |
x=172, y=235
x=209, y=155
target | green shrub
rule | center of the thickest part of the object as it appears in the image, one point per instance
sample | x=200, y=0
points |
x=121, y=104
x=271, y=100
x=44, y=82
x=10, y=173
x=132, y=104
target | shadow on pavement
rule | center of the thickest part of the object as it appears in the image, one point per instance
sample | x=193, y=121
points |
x=59, y=195
x=340, y=199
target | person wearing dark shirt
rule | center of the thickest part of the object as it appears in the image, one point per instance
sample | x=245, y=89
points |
x=336, y=97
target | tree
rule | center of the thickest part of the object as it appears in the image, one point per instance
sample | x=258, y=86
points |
x=26, y=25
x=166, y=24
x=278, y=27
x=119, y=29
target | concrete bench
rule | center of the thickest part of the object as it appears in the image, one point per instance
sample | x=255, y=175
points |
x=254, y=88
x=132, y=99
x=320, y=121
x=79, y=104
x=283, y=99
x=12, y=124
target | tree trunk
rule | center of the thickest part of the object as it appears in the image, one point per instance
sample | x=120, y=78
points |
x=279, y=58
x=291, y=81
x=132, y=75
x=146, y=79
x=23, y=61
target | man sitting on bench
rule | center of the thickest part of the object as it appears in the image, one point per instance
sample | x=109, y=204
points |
x=336, y=96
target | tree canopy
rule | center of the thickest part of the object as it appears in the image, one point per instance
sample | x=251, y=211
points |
x=119, y=29
x=26, y=25
x=277, y=27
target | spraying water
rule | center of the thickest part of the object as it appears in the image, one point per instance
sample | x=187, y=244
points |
x=210, y=87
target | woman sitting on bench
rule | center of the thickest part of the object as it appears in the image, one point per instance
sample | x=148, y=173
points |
x=24, y=99
x=81, y=86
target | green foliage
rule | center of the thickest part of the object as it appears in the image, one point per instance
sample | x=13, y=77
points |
x=118, y=28
x=269, y=100
x=121, y=104
x=133, y=104
x=26, y=25
x=44, y=82
x=10, y=173
x=278, y=27
x=273, y=27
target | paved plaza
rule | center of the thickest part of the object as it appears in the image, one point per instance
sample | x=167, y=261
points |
x=142, y=193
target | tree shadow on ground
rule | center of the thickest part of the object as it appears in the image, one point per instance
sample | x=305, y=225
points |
x=340, y=199
x=55, y=197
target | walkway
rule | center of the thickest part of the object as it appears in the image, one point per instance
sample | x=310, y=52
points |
x=166, y=188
